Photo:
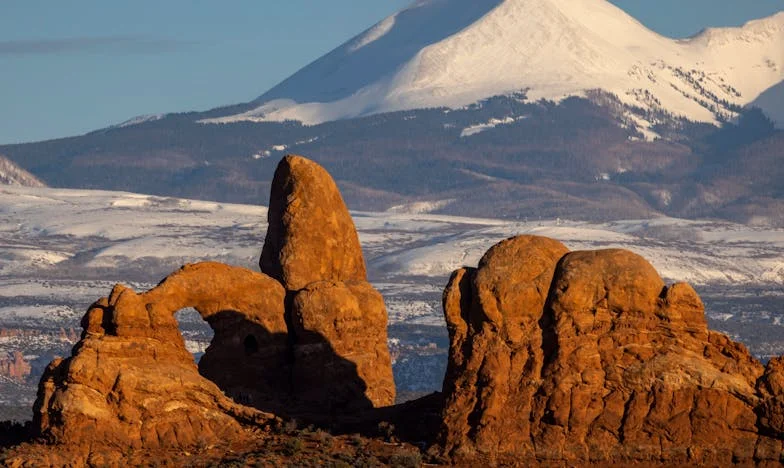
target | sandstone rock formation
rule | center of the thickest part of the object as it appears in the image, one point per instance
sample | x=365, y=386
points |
x=310, y=236
x=15, y=367
x=493, y=315
x=603, y=364
x=341, y=356
x=337, y=320
x=556, y=357
x=130, y=381
x=317, y=345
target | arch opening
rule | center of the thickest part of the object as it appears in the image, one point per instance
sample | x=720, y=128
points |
x=196, y=333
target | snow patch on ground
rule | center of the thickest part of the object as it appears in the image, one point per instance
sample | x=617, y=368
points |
x=420, y=207
x=140, y=120
x=492, y=123
x=373, y=34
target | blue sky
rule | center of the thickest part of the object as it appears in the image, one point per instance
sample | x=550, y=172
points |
x=70, y=67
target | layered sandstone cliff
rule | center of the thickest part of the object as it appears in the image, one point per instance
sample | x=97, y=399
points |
x=15, y=367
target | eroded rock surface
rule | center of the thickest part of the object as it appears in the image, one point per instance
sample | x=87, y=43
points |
x=493, y=314
x=311, y=236
x=612, y=367
x=130, y=383
x=338, y=320
x=341, y=357
x=15, y=367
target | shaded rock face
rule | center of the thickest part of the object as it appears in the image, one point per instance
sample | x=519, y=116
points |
x=311, y=236
x=589, y=357
x=130, y=382
x=337, y=320
x=247, y=354
x=771, y=388
x=341, y=357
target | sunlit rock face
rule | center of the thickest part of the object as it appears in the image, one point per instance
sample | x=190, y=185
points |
x=590, y=357
x=337, y=319
x=311, y=236
x=130, y=382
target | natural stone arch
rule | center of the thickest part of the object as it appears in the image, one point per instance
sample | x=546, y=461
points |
x=130, y=381
x=245, y=309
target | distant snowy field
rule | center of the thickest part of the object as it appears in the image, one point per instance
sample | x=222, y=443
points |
x=58, y=244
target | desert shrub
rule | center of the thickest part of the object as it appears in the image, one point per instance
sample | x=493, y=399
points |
x=358, y=441
x=386, y=430
x=293, y=446
x=368, y=461
x=324, y=438
x=290, y=426
x=405, y=459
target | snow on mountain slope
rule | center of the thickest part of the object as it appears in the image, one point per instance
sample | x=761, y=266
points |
x=772, y=103
x=139, y=119
x=455, y=52
x=11, y=174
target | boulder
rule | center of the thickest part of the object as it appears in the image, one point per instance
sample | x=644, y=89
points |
x=602, y=364
x=130, y=383
x=311, y=236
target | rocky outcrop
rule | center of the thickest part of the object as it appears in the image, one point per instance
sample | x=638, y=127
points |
x=493, y=314
x=556, y=357
x=310, y=235
x=771, y=389
x=131, y=383
x=341, y=355
x=15, y=367
x=245, y=309
x=309, y=339
x=338, y=321
x=603, y=364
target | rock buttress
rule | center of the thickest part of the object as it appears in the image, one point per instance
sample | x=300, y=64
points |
x=313, y=249
x=613, y=367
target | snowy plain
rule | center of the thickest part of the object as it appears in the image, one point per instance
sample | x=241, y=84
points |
x=57, y=244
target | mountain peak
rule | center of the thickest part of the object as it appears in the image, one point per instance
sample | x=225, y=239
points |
x=451, y=53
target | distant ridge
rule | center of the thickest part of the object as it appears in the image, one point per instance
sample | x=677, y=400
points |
x=11, y=174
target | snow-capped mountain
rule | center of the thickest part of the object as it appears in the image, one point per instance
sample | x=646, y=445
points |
x=453, y=53
x=772, y=103
x=11, y=174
